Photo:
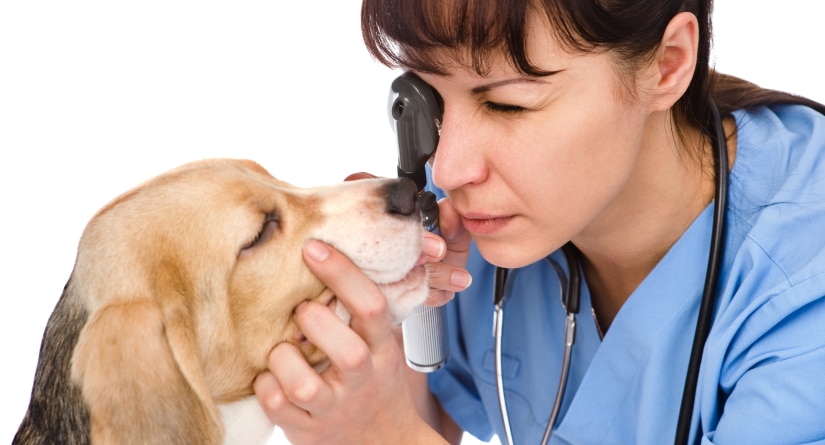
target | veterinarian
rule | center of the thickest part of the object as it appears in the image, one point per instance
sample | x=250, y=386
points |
x=565, y=124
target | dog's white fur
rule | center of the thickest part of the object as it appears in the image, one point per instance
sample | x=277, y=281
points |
x=183, y=285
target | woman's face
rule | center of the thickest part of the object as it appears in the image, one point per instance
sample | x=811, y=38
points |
x=531, y=163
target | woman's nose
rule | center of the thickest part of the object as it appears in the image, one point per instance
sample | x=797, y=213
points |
x=460, y=158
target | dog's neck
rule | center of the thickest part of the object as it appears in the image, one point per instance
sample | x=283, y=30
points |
x=245, y=423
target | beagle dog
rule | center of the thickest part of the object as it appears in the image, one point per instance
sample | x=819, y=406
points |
x=183, y=285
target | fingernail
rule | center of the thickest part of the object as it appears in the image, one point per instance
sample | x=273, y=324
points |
x=316, y=250
x=433, y=245
x=299, y=306
x=461, y=279
x=359, y=175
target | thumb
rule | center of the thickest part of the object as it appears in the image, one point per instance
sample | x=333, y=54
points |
x=451, y=229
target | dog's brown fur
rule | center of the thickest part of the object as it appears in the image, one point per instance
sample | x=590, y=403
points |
x=183, y=285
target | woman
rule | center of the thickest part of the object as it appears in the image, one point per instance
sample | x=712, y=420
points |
x=586, y=123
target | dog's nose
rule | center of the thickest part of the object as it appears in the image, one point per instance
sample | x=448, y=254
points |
x=400, y=197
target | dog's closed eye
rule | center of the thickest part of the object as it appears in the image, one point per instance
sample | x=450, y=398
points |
x=271, y=224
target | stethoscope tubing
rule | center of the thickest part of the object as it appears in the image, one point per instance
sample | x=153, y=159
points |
x=710, y=290
x=570, y=291
x=498, y=327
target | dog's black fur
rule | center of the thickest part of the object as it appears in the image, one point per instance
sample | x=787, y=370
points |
x=57, y=413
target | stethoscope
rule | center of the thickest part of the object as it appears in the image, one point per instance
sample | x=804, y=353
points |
x=570, y=299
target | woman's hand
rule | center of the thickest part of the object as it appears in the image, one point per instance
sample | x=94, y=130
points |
x=363, y=397
x=447, y=256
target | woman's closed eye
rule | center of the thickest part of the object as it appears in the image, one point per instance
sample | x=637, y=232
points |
x=503, y=108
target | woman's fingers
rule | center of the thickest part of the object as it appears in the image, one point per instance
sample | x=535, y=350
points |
x=446, y=255
x=349, y=354
x=291, y=389
x=366, y=366
x=359, y=175
x=363, y=299
x=454, y=234
x=445, y=280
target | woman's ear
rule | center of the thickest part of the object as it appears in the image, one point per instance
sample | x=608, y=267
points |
x=675, y=61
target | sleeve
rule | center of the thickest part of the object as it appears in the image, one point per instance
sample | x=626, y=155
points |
x=773, y=389
x=455, y=390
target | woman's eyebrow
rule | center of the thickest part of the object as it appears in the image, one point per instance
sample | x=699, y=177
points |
x=490, y=86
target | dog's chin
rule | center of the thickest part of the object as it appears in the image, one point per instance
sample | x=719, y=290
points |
x=407, y=293
x=402, y=296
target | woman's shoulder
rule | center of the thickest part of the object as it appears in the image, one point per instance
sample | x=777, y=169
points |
x=766, y=125
x=780, y=159
x=775, y=265
x=777, y=189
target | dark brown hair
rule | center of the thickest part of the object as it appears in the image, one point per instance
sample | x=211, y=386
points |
x=415, y=34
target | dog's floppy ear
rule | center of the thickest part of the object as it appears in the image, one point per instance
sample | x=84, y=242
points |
x=140, y=377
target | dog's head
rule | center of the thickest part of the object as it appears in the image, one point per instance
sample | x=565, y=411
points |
x=202, y=267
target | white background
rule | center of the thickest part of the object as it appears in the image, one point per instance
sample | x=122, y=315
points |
x=97, y=96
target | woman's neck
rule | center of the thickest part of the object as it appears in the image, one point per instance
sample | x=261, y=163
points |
x=670, y=189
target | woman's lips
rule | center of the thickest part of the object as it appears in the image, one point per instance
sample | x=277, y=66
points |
x=485, y=225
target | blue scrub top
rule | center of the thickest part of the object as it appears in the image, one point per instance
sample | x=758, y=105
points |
x=763, y=373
